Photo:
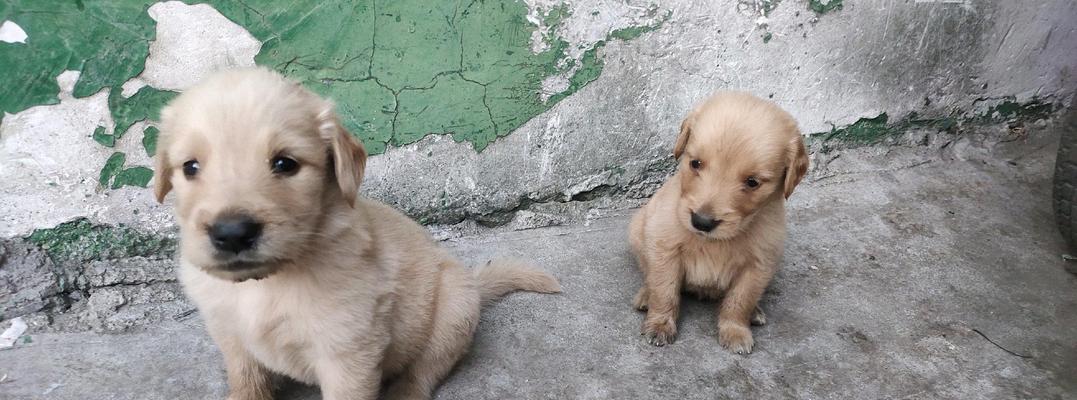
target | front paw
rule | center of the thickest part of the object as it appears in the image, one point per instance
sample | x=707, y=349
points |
x=659, y=331
x=735, y=337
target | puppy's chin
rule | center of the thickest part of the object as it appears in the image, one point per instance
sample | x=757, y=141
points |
x=235, y=270
x=241, y=271
x=723, y=233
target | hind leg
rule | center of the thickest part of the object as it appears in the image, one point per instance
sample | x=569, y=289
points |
x=454, y=325
x=635, y=239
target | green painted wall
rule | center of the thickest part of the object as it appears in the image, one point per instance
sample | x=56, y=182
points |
x=399, y=70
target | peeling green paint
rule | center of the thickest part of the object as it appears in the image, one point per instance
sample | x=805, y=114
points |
x=824, y=6
x=112, y=167
x=1009, y=108
x=149, y=140
x=767, y=36
x=114, y=172
x=134, y=176
x=143, y=105
x=591, y=65
x=107, y=41
x=633, y=32
x=105, y=139
x=82, y=240
x=411, y=68
x=866, y=131
x=399, y=70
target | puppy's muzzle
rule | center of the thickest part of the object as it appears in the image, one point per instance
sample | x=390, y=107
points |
x=704, y=222
x=234, y=233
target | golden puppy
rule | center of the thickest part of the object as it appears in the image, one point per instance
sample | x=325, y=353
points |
x=292, y=272
x=717, y=227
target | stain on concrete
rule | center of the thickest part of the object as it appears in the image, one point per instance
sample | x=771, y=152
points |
x=85, y=241
x=56, y=293
x=872, y=130
x=27, y=278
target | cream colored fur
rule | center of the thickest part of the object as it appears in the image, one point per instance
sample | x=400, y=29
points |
x=341, y=292
x=732, y=137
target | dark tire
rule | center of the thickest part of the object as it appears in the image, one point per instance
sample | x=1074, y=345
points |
x=1065, y=187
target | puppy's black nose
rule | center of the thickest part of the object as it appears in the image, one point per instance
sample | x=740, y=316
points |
x=704, y=222
x=234, y=233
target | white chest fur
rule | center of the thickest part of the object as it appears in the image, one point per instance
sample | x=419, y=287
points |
x=710, y=265
x=273, y=324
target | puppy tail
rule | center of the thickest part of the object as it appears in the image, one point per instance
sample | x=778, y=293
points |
x=499, y=277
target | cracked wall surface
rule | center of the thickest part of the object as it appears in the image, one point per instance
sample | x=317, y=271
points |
x=500, y=112
x=399, y=71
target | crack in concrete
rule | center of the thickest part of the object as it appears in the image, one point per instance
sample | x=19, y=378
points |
x=999, y=345
x=373, y=38
x=252, y=9
x=459, y=72
x=485, y=91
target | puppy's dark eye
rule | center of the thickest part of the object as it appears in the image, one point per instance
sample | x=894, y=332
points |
x=695, y=164
x=190, y=168
x=751, y=182
x=283, y=165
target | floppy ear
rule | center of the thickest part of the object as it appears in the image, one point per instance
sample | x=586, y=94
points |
x=162, y=175
x=796, y=163
x=349, y=156
x=162, y=167
x=682, y=138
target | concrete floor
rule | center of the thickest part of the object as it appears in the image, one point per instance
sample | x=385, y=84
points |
x=910, y=272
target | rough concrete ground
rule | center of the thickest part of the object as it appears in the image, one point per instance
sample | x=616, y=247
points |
x=928, y=271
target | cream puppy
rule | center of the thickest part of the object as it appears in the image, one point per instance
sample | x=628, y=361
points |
x=717, y=227
x=292, y=272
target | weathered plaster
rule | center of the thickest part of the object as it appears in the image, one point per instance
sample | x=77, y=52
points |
x=191, y=41
x=106, y=42
x=609, y=82
x=45, y=188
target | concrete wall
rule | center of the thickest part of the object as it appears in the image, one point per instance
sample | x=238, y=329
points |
x=478, y=110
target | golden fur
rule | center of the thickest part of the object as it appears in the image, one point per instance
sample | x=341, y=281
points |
x=339, y=291
x=728, y=139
